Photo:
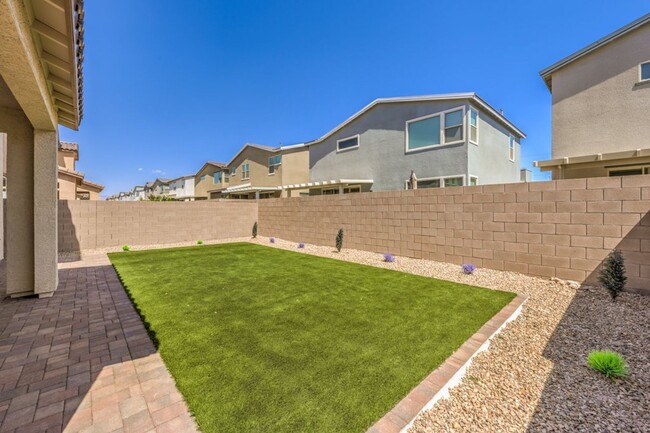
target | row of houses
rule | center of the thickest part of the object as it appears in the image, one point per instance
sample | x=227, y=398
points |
x=601, y=127
x=424, y=141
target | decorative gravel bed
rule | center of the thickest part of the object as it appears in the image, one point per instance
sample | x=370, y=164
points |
x=534, y=378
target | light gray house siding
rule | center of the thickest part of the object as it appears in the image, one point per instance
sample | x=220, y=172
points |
x=490, y=160
x=382, y=155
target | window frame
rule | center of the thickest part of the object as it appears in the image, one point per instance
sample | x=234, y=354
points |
x=469, y=125
x=274, y=165
x=645, y=169
x=469, y=180
x=245, y=171
x=214, y=179
x=338, y=142
x=512, y=148
x=463, y=125
x=441, y=179
x=441, y=114
x=641, y=79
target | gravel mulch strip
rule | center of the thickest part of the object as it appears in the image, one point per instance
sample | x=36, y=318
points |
x=534, y=378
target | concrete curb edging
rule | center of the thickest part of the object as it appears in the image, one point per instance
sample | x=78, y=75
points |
x=436, y=386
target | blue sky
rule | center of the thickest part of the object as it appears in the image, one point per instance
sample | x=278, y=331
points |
x=169, y=85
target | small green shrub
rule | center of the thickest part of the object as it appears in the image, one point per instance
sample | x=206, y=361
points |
x=339, y=240
x=611, y=364
x=199, y=242
x=612, y=275
x=255, y=230
x=126, y=248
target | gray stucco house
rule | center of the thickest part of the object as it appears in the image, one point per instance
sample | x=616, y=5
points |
x=446, y=140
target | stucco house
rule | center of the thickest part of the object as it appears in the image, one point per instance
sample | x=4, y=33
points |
x=182, y=188
x=41, y=87
x=601, y=106
x=72, y=184
x=160, y=187
x=443, y=140
x=259, y=171
x=137, y=193
x=211, y=178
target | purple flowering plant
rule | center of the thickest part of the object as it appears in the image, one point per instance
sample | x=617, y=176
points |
x=388, y=257
x=469, y=268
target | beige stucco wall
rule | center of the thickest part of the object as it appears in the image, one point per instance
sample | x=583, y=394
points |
x=67, y=186
x=66, y=159
x=201, y=187
x=85, y=225
x=558, y=229
x=598, y=105
x=295, y=166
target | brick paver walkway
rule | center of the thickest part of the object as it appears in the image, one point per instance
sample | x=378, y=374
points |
x=81, y=361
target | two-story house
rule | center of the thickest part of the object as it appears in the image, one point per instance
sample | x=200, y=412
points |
x=182, y=188
x=138, y=194
x=259, y=171
x=210, y=180
x=160, y=187
x=72, y=184
x=440, y=140
x=601, y=107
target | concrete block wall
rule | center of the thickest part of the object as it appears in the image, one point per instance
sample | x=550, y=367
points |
x=87, y=225
x=558, y=229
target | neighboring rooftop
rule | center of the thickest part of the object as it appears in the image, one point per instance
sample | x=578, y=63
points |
x=547, y=72
x=425, y=98
x=68, y=146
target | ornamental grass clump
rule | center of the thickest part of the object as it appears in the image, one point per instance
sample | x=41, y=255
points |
x=301, y=245
x=199, y=242
x=388, y=257
x=612, y=275
x=339, y=240
x=126, y=248
x=611, y=364
x=254, y=230
x=469, y=268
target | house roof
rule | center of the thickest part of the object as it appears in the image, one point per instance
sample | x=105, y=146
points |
x=94, y=185
x=548, y=72
x=212, y=163
x=424, y=98
x=68, y=146
x=255, y=146
x=189, y=176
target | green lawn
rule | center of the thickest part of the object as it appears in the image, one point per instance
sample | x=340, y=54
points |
x=260, y=339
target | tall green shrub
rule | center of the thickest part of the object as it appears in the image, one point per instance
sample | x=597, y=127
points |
x=255, y=230
x=612, y=275
x=339, y=240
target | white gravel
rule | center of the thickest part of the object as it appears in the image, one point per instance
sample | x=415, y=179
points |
x=533, y=378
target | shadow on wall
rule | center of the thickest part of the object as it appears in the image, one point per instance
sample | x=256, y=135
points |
x=68, y=241
x=635, y=247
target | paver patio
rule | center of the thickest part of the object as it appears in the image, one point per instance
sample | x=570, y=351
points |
x=82, y=361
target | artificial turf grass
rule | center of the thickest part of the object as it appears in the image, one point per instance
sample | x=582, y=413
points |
x=262, y=339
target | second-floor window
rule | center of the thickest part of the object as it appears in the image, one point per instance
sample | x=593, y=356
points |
x=511, y=148
x=447, y=127
x=347, y=143
x=245, y=173
x=454, y=126
x=202, y=178
x=274, y=163
x=217, y=177
x=473, y=126
x=644, y=71
x=233, y=171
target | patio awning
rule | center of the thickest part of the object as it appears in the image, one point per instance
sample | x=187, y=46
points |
x=332, y=182
x=610, y=156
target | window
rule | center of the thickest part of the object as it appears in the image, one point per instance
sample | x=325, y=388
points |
x=349, y=189
x=644, y=71
x=274, y=163
x=454, y=126
x=202, y=178
x=428, y=183
x=453, y=181
x=347, y=143
x=331, y=191
x=473, y=181
x=216, y=178
x=628, y=171
x=511, y=148
x=423, y=133
x=233, y=171
x=245, y=173
x=473, y=126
